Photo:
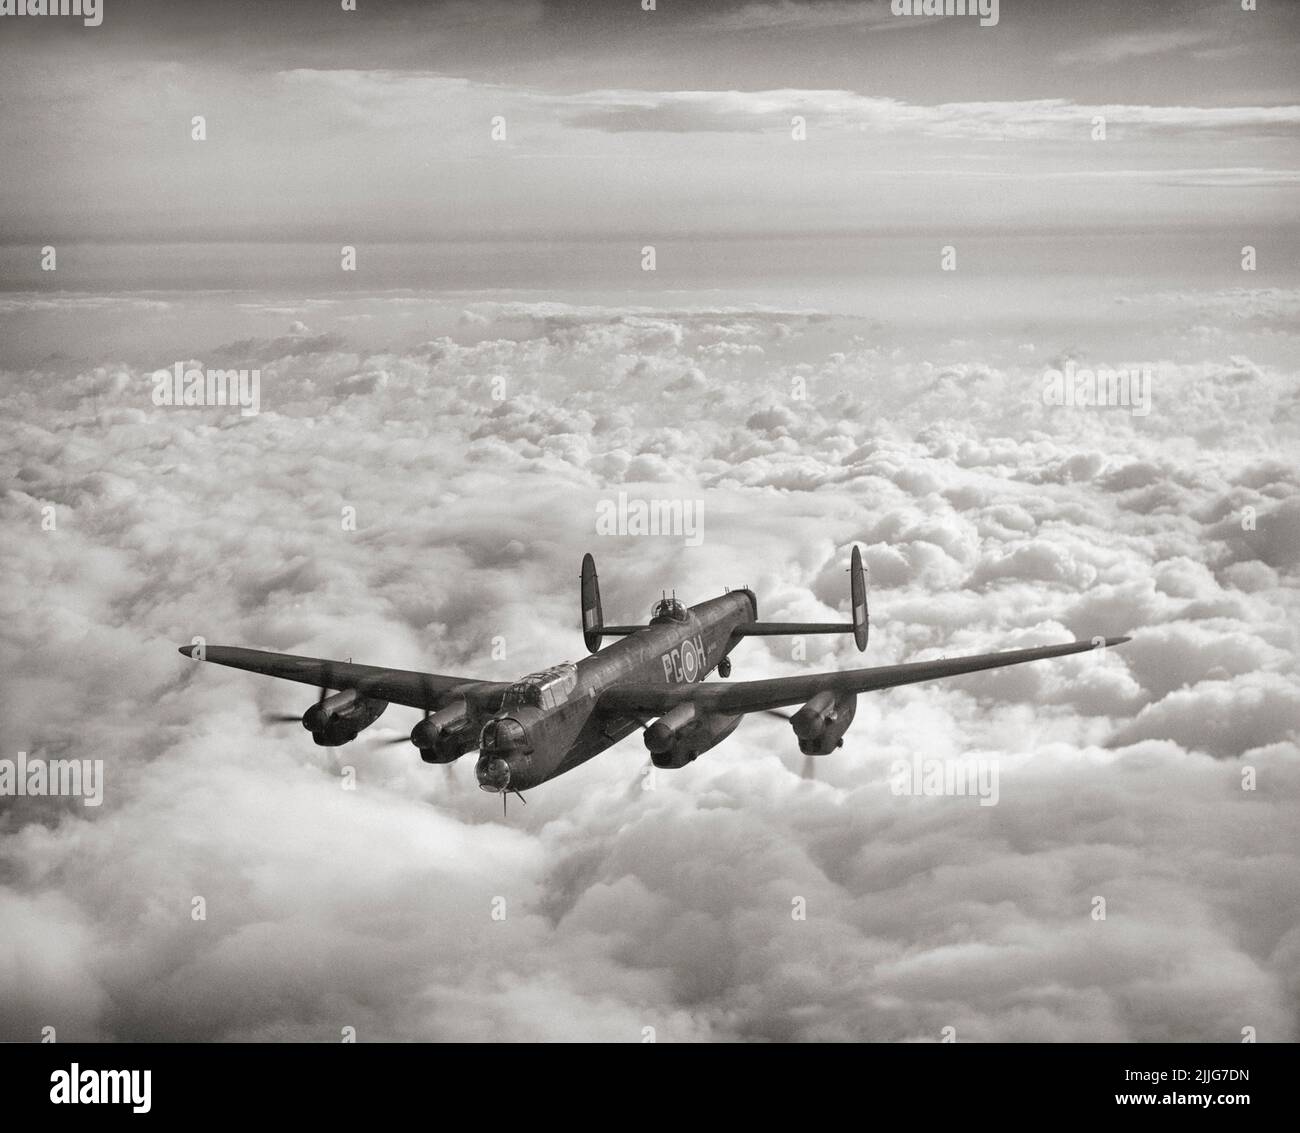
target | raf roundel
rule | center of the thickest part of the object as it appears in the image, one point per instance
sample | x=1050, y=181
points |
x=690, y=660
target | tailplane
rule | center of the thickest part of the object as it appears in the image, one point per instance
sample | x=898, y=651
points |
x=594, y=627
x=857, y=603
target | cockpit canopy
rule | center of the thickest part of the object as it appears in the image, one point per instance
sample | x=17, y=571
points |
x=548, y=689
x=667, y=610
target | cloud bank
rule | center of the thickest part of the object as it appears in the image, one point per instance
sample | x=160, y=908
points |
x=988, y=520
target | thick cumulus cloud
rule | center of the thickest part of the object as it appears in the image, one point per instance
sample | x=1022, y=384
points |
x=424, y=504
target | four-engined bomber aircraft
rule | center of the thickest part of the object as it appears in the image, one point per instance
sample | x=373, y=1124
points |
x=653, y=678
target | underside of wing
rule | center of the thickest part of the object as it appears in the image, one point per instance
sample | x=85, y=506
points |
x=398, y=686
x=733, y=698
x=787, y=629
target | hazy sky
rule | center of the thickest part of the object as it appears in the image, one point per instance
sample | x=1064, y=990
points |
x=325, y=124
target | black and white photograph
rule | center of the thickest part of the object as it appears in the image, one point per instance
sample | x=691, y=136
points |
x=765, y=522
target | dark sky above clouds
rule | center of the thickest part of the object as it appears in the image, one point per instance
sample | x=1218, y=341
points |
x=378, y=122
x=988, y=518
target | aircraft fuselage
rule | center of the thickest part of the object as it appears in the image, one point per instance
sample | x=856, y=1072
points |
x=535, y=742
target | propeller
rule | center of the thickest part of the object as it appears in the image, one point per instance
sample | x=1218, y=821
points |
x=285, y=718
x=809, y=769
x=406, y=739
x=393, y=741
x=448, y=769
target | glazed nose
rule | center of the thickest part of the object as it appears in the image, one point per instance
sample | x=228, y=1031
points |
x=493, y=774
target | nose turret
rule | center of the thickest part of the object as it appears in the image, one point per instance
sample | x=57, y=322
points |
x=502, y=743
x=493, y=774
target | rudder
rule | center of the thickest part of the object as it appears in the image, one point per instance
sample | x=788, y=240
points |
x=592, y=617
x=858, y=597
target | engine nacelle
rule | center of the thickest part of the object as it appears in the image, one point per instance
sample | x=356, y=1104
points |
x=441, y=737
x=821, y=723
x=682, y=733
x=340, y=717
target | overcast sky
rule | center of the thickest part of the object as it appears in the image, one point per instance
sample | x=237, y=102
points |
x=377, y=124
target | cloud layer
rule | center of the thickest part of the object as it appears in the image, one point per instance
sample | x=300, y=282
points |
x=474, y=460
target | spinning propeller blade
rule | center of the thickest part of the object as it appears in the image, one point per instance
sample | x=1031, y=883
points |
x=809, y=769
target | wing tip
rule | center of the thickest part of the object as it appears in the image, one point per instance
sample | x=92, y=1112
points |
x=1117, y=640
